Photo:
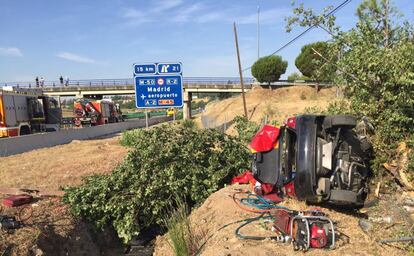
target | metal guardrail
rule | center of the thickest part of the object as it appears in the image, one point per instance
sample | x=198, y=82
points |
x=126, y=81
x=188, y=81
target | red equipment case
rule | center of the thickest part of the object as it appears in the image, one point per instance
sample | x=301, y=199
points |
x=18, y=200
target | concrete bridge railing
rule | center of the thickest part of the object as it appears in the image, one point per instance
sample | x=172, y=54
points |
x=124, y=81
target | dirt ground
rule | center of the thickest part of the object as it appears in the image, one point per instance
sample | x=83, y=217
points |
x=219, y=210
x=277, y=104
x=52, y=230
x=63, y=165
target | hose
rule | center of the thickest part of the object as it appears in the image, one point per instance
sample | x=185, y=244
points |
x=255, y=203
x=239, y=235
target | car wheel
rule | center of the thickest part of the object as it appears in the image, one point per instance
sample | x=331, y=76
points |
x=339, y=120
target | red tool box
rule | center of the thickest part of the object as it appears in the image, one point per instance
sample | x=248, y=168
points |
x=18, y=200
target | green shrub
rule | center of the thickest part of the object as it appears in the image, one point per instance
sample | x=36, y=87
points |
x=245, y=128
x=269, y=69
x=163, y=162
x=340, y=107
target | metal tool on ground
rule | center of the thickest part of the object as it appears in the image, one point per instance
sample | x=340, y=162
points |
x=396, y=240
x=312, y=232
x=7, y=222
x=304, y=229
x=365, y=225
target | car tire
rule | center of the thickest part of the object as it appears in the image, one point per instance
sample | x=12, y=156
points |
x=339, y=120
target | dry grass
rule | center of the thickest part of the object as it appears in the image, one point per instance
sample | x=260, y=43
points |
x=277, y=104
x=51, y=168
x=185, y=238
x=52, y=229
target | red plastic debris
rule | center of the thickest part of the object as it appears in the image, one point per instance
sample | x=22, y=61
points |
x=18, y=200
x=273, y=197
x=291, y=122
x=266, y=188
x=243, y=178
x=290, y=189
x=257, y=187
x=266, y=139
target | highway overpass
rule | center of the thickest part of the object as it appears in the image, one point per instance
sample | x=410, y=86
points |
x=80, y=91
x=126, y=86
x=96, y=88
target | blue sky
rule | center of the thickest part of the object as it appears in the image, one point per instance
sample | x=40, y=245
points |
x=101, y=39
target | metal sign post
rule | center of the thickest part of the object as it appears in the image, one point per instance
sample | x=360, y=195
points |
x=146, y=118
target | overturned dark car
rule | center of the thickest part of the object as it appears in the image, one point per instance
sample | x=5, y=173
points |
x=315, y=158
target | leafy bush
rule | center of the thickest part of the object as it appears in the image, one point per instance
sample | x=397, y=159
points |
x=199, y=104
x=340, y=107
x=164, y=163
x=269, y=69
x=245, y=128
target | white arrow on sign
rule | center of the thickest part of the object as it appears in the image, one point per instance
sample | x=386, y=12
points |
x=164, y=68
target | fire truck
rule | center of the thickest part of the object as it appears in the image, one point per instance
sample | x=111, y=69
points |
x=90, y=113
x=26, y=111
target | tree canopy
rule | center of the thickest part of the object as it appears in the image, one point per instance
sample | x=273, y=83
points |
x=269, y=69
x=312, y=65
x=297, y=76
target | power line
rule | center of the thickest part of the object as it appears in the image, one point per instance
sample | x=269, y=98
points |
x=333, y=11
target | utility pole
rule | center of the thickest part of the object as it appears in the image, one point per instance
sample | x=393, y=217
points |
x=240, y=70
x=258, y=29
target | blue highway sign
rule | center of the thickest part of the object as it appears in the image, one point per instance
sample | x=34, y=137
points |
x=169, y=68
x=158, y=85
x=145, y=69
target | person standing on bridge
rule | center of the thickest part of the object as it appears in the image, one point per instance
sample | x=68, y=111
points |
x=37, y=81
x=66, y=81
x=42, y=81
x=61, y=80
